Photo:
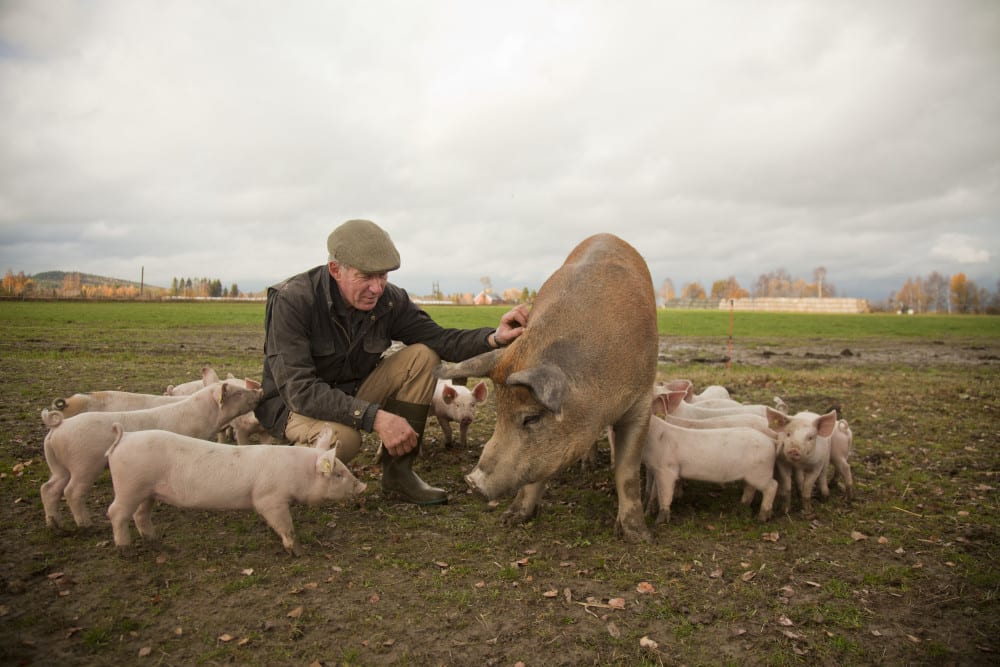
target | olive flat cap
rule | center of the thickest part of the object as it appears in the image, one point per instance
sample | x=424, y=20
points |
x=363, y=245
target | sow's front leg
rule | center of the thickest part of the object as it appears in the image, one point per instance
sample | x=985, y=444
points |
x=629, y=438
x=525, y=505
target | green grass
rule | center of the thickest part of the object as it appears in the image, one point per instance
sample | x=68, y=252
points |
x=170, y=316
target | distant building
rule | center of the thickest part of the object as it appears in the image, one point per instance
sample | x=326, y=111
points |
x=485, y=298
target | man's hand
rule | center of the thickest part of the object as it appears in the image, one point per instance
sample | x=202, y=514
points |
x=398, y=437
x=511, y=325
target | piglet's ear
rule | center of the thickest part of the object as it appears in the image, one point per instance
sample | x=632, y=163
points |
x=222, y=393
x=480, y=392
x=776, y=420
x=324, y=465
x=826, y=424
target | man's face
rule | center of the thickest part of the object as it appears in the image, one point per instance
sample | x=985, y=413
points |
x=360, y=290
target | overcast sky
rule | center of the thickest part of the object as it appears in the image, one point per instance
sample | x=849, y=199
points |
x=227, y=139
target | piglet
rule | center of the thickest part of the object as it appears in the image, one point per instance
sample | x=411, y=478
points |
x=455, y=403
x=720, y=455
x=841, y=445
x=803, y=451
x=208, y=376
x=186, y=472
x=110, y=401
x=75, y=447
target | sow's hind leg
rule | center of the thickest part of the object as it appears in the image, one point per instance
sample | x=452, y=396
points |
x=629, y=436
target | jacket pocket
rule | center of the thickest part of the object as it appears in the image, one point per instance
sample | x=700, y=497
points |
x=376, y=342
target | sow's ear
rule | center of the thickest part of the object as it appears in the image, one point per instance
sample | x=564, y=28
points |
x=480, y=366
x=547, y=382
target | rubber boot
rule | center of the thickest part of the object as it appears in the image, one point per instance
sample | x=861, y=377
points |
x=398, y=478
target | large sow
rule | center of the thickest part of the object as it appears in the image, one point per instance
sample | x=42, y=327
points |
x=586, y=360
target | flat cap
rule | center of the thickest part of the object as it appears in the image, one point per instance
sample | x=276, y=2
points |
x=363, y=245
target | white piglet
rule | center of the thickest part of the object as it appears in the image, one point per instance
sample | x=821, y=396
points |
x=719, y=455
x=75, y=446
x=803, y=452
x=110, y=401
x=148, y=466
x=455, y=403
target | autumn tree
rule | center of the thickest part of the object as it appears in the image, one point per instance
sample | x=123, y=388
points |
x=912, y=295
x=16, y=285
x=728, y=289
x=693, y=290
x=963, y=294
x=511, y=295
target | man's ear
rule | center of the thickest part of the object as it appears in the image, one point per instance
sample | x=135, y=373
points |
x=334, y=268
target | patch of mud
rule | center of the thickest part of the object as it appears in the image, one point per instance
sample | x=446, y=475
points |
x=838, y=353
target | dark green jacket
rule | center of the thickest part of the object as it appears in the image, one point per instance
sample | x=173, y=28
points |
x=314, y=363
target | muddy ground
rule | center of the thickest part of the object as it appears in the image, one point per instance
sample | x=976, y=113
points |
x=906, y=574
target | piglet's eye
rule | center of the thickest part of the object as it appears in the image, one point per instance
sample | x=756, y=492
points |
x=530, y=419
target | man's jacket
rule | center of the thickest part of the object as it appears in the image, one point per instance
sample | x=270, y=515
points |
x=315, y=361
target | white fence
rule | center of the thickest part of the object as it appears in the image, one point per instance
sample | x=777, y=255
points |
x=797, y=305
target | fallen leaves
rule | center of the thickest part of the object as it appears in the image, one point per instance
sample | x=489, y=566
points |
x=645, y=588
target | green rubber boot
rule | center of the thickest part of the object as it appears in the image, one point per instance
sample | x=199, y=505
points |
x=398, y=478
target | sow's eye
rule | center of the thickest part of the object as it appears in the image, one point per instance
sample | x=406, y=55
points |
x=530, y=418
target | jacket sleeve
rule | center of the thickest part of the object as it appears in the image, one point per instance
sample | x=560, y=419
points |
x=416, y=326
x=289, y=356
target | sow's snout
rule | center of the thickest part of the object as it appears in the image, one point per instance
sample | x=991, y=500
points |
x=477, y=482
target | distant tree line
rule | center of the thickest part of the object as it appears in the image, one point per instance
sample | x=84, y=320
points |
x=774, y=284
x=76, y=285
x=936, y=293
x=202, y=287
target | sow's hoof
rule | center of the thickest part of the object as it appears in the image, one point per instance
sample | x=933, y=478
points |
x=515, y=516
x=630, y=532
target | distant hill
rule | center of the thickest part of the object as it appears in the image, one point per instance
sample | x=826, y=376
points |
x=56, y=279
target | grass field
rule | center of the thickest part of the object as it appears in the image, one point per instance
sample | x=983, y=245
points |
x=685, y=323
x=907, y=574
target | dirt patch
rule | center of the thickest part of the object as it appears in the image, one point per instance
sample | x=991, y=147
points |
x=840, y=353
x=905, y=575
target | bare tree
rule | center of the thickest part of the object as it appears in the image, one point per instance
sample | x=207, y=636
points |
x=487, y=283
x=667, y=291
x=936, y=287
x=776, y=284
x=819, y=275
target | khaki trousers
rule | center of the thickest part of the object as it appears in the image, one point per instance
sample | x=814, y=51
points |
x=406, y=375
